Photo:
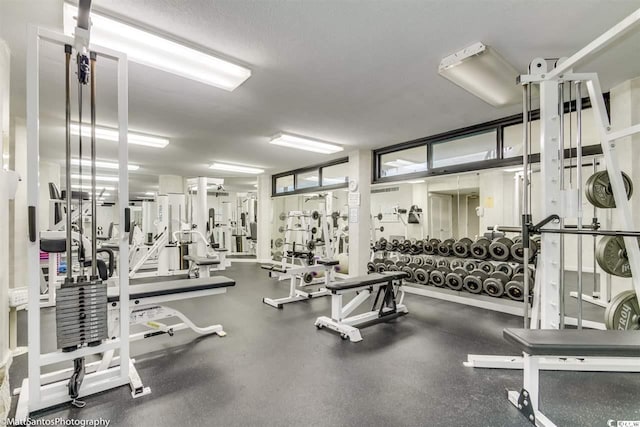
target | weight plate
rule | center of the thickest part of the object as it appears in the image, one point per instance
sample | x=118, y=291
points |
x=454, y=281
x=499, y=249
x=429, y=261
x=470, y=265
x=493, y=287
x=442, y=263
x=505, y=268
x=418, y=260
x=421, y=276
x=623, y=313
x=599, y=192
x=515, y=290
x=456, y=263
x=437, y=277
x=480, y=249
x=611, y=255
x=381, y=267
x=392, y=267
x=410, y=275
x=371, y=267
x=487, y=267
x=472, y=284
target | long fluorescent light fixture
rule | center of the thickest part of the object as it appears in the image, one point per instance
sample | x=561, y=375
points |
x=100, y=164
x=111, y=134
x=235, y=168
x=479, y=69
x=304, y=143
x=98, y=178
x=154, y=51
x=398, y=163
x=88, y=187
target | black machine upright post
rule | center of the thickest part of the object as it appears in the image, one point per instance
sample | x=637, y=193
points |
x=67, y=51
x=94, y=262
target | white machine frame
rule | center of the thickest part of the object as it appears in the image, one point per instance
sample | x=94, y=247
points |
x=37, y=393
x=546, y=313
x=296, y=273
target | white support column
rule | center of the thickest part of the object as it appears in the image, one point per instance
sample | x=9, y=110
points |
x=201, y=213
x=265, y=214
x=550, y=176
x=359, y=212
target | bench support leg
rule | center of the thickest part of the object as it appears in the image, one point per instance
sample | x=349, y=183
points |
x=528, y=399
x=295, y=295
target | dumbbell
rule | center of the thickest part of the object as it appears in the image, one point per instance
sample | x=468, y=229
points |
x=462, y=247
x=417, y=247
x=480, y=248
x=505, y=268
x=430, y=247
x=520, y=270
x=410, y=273
x=380, y=266
x=442, y=262
x=495, y=284
x=445, y=248
x=517, y=251
x=474, y=280
x=499, y=249
x=422, y=274
x=487, y=267
x=456, y=263
x=455, y=279
x=392, y=267
x=417, y=260
x=470, y=265
x=437, y=277
x=515, y=287
x=371, y=267
x=429, y=260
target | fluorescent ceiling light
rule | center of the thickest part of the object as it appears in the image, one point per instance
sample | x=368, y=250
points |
x=235, y=168
x=112, y=134
x=87, y=178
x=88, y=187
x=149, y=193
x=157, y=52
x=482, y=71
x=103, y=165
x=416, y=181
x=516, y=169
x=304, y=143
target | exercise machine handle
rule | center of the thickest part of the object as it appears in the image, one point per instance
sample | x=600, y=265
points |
x=127, y=220
x=32, y=224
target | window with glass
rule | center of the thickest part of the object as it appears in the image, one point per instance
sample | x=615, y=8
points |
x=284, y=184
x=468, y=149
x=336, y=174
x=404, y=162
x=308, y=179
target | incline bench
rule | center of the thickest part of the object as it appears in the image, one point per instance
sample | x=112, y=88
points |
x=388, y=291
x=537, y=344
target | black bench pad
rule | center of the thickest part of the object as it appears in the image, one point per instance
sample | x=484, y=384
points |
x=366, y=280
x=328, y=262
x=199, y=260
x=571, y=342
x=171, y=287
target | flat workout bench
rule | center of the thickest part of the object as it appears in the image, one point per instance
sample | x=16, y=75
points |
x=538, y=344
x=388, y=291
x=147, y=306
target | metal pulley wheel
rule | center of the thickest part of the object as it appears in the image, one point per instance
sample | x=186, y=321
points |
x=599, y=192
x=282, y=216
x=623, y=312
x=445, y=248
x=462, y=247
x=278, y=243
x=315, y=215
x=474, y=280
x=480, y=248
x=499, y=249
x=611, y=255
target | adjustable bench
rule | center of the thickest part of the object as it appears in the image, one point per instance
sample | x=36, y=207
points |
x=538, y=344
x=388, y=292
x=305, y=275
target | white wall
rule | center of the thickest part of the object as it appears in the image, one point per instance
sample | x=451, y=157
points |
x=4, y=210
x=19, y=228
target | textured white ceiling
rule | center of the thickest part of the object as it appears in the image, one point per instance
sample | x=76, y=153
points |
x=360, y=73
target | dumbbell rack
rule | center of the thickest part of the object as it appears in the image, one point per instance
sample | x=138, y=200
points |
x=393, y=258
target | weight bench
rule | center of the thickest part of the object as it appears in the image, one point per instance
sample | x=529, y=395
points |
x=195, y=262
x=305, y=274
x=388, y=292
x=147, y=299
x=538, y=344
